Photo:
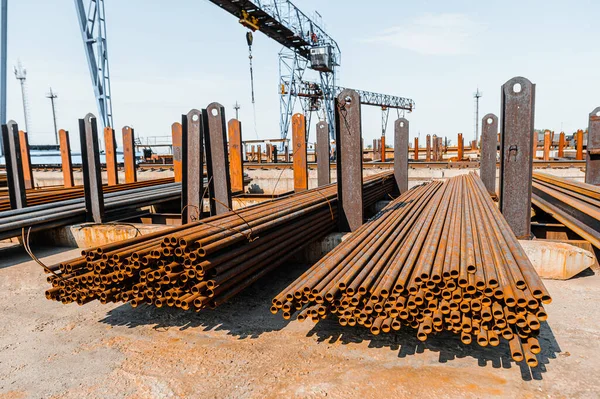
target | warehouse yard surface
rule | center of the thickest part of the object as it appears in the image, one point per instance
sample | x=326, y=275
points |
x=240, y=350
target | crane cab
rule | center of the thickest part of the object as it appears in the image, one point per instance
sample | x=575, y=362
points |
x=321, y=59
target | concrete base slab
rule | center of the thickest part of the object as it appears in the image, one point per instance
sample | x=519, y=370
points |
x=557, y=260
x=91, y=235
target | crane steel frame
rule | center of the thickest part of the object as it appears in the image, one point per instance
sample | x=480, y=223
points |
x=285, y=23
x=92, y=24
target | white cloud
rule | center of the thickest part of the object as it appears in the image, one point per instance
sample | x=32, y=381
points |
x=433, y=34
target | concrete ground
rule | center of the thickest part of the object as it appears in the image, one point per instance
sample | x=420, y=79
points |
x=240, y=350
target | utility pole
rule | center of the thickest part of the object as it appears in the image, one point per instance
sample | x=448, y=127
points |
x=52, y=95
x=237, y=110
x=477, y=95
x=3, y=69
x=21, y=75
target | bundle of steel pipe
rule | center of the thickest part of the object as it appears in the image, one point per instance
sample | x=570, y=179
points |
x=45, y=195
x=574, y=204
x=71, y=211
x=205, y=263
x=439, y=257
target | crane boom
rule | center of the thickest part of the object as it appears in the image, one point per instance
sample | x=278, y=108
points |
x=283, y=22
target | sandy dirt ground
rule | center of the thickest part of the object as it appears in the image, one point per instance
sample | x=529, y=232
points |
x=48, y=350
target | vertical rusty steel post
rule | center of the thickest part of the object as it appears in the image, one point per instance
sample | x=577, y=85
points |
x=489, y=150
x=14, y=165
x=286, y=153
x=192, y=187
x=92, y=177
x=110, y=153
x=382, y=148
x=129, y=154
x=349, y=160
x=252, y=153
x=461, y=147
x=473, y=145
x=323, y=165
x=592, y=163
x=65, y=156
x=440, y=149
x=401, y=126
x=579, y=140
x=516, y=160
x=176, y=137
x=416, y=150
x=561, y=145
x=26, y=160
x=434, y=155
x=268, y=152
x=236, y=162
x=299, y=155
x=258, y=154
x=217, y=159
x=547, y=145
x=428, y=148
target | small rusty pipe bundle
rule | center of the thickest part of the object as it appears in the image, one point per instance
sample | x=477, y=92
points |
x=440, y=257
x=203, y=264
x=574, y=204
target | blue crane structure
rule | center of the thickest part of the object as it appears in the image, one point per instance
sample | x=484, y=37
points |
x=92, y=24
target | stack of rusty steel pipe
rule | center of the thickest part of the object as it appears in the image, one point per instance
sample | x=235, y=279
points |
x=203, y=264
x=118, y=204
x=439, y=257
x=46, y=195
x=572, y=203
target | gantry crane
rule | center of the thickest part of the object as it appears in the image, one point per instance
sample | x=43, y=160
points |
x=306, y=45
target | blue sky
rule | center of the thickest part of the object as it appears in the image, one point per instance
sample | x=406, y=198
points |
x=169, y=57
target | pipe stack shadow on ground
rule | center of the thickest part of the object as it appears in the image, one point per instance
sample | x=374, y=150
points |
x=247, y=316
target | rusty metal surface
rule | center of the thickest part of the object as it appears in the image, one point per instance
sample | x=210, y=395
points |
x=92, y=178
x=428, y=148
x=323, y=164
x=129, y=154
x=382, y=149
x=110, y=147
x=349, y=160
x=26, y=160
x=14, y=170
x=176, y=137
x=416, y=149
x=217, y=159
x=547, y=145
x=434, y=149
x=236, y=161
x=575, y=204
x=439, y=258
x=579, y=144
x=65, y=157
x=489, y=151
x=592, y=168
x=203, y=264
x=461, y=147
x=299, y=154
x=258, y=154
x=401, y=131
x=561, y=145
x=192, y=187
x=516, y=159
